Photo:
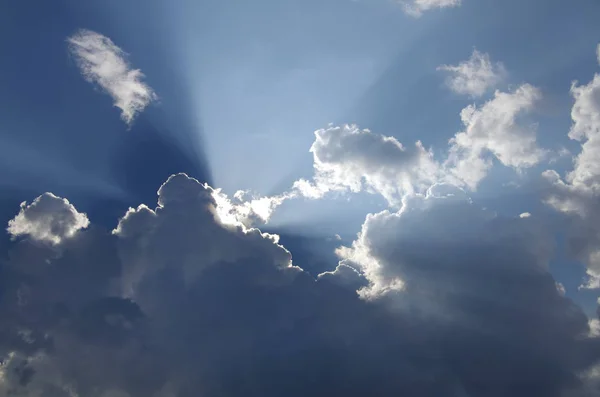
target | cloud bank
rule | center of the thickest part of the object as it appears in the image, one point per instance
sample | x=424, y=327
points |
x=101, y=62
x=439, y=298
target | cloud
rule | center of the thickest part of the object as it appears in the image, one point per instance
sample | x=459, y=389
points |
x=496, y=128
x=493, y=273
x=475, y=76
x=102, y=62
x=248, y=209
x=48, y=219
x=176, y=302
x=578, y=194
x=416, y=8
x=347, y=158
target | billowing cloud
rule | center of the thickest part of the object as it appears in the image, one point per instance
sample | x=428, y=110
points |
x=496, y=128
x=416, y=8
x=103, y=63
x=475, y=76
x=48, y=219
x=493, y=273
x=347, y=158
x=579, y=192
x=177, y=302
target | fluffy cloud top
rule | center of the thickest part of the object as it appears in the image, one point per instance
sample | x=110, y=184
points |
x=348, y=158
x=495, y=128
x=416, y=8
x=48, y=219
x=475, y=76
x=102, y=62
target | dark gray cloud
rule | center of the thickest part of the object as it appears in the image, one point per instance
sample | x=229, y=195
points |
x=174, y=302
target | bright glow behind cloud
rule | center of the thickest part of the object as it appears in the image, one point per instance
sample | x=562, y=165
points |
x=102, y=62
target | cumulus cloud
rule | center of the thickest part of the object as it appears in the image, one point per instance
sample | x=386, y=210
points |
x=493, y=271
x=454, y=300
x=48, y=219
x=496, y=128
x=578, y=194
x=103, y=63
x=416, y=8
x=347, y=158
x=475, y=76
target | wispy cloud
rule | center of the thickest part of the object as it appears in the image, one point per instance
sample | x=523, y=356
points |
x=416, y=8
x=475, y=76
x=102, y=62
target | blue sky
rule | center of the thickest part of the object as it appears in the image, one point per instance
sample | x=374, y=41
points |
x=312, y=110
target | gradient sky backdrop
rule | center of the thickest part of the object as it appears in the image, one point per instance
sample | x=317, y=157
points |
x=242, y=87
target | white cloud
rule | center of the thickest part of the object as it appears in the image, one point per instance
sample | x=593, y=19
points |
x=47, y=219
x=495, y=128
x=347, y=158
x=416, y=8
x=474, y=77
x=102, y=62
x=525, y=215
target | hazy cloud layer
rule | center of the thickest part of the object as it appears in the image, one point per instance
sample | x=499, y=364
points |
x=475, y=76
x=103, y=63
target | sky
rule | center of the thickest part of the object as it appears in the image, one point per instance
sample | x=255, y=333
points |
x=301, y=197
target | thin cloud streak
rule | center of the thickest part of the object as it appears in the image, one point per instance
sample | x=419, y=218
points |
x=103, y=63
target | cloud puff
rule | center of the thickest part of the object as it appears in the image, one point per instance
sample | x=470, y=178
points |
x=175, y=302
x=495, y=128
x=416, y=8
x=48, y=219
x=475, y=76
x=347, y=158
x=102, y=62
x=579, y=192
